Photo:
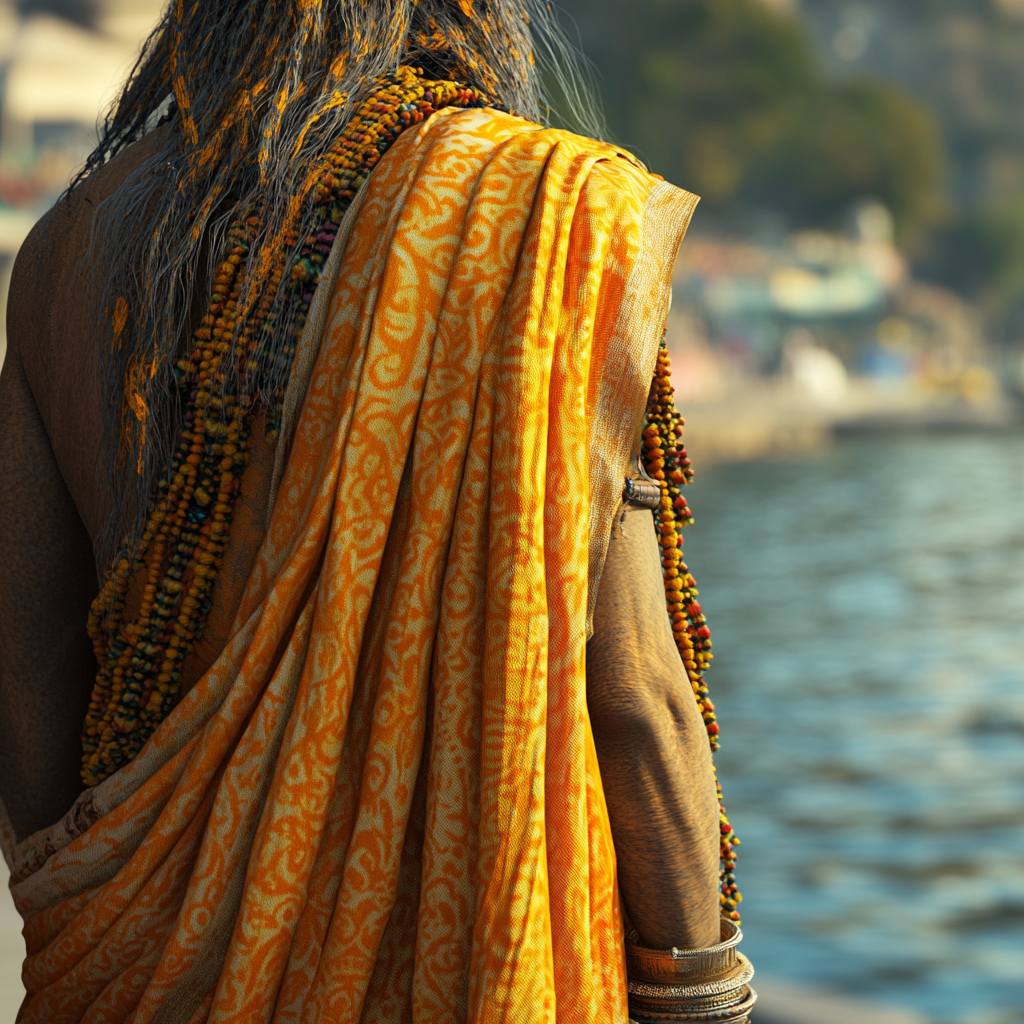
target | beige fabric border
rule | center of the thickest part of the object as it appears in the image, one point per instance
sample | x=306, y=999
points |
x=624, y=390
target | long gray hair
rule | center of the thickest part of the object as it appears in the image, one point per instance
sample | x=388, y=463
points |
x=255, y=92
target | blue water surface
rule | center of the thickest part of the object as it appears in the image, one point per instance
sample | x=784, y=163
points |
x=867, y=607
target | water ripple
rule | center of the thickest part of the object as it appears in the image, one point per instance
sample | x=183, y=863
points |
x=868, y=612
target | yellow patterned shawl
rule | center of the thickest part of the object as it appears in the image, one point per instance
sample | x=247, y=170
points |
x=382, y=802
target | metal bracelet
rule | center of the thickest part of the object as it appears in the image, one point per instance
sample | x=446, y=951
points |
x=684, y=966
x=738, y=1013
x=700, y=997
x=710, y=984
x=642, y=493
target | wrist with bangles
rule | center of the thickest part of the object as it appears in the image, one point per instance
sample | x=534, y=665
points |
x=711, y=984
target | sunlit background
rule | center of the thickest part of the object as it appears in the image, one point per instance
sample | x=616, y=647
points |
x=848, y=341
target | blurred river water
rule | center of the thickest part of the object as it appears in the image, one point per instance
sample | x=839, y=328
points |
x=867, y=608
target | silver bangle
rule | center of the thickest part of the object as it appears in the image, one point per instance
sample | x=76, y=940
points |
x=739, y=1013
x=709, y=996
x=682, y=966
x=710, y=984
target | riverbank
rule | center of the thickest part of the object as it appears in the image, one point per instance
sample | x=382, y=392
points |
x=771, y=417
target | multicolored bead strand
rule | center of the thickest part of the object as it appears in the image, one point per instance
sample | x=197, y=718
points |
x=186, y=532
x=665, y=461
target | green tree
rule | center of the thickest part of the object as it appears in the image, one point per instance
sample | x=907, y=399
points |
x=725, y=97
x=856, y=139
x=979, y=253
x=719, y=87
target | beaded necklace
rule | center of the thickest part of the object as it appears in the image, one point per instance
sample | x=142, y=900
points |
x=665, y=460
x=189, y=518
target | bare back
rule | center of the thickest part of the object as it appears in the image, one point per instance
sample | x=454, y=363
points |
x=56, y=499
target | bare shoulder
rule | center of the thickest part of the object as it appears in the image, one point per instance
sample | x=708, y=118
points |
x=54, y=323
x=55, y=254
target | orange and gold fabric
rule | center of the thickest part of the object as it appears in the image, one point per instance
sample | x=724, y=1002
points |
x=382, y=802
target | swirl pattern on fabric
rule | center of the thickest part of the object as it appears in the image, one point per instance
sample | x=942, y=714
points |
x=382, y=803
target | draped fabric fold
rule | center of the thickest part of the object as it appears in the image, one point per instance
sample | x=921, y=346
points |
x=382, y=803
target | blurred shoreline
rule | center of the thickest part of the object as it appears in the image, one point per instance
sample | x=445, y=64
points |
x=774, y=417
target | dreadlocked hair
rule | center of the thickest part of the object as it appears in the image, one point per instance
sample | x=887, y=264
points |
x=255, y=94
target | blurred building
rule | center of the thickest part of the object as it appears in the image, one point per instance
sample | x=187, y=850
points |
x=61, y=63
x=816, y=305
x=57, y=76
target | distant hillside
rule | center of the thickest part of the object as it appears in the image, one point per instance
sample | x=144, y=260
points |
x=964, y=58
x=729, y=98
x=797, y=108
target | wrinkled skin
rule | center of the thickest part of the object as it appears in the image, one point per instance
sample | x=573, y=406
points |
x=55, y=498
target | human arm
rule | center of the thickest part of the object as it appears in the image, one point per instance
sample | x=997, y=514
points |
x=653, y=750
